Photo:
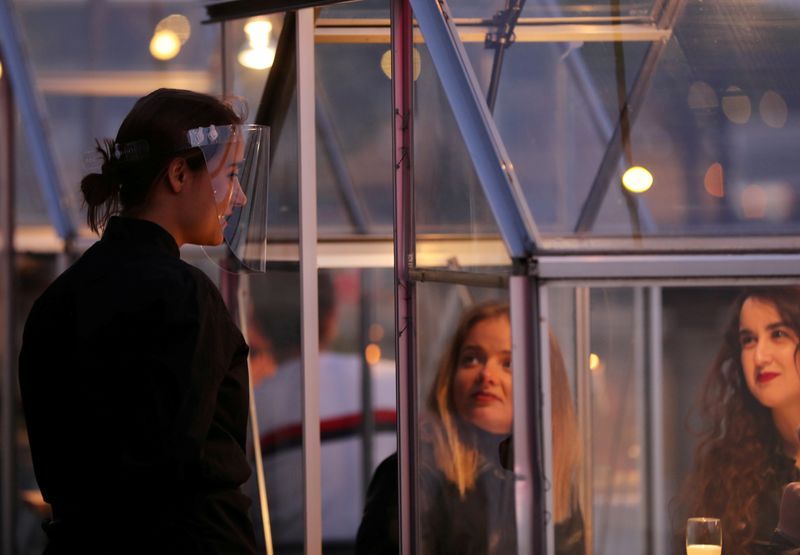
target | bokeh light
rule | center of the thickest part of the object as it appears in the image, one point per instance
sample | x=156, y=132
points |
x=258, y=53
x=702, y=96
x=714, y=180
x=736, y=105
x=178, y=24
x=637, y=179
x=165, y=45
x=386, y=63
x=372, y=353
x=773, y=109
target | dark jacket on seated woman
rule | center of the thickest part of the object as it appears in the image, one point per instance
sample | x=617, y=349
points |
x=480, y=522
x=465, y=494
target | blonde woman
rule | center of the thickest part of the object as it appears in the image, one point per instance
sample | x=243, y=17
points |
x=466, y=494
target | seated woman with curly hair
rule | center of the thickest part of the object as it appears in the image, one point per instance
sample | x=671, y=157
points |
x=751, y=401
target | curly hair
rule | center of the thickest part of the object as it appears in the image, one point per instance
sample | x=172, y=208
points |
x=739, y=459
x=454, y=453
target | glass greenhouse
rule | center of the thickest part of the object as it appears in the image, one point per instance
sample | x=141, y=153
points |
x=617, y=172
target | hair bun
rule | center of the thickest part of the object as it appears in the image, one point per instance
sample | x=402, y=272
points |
x=98, y=188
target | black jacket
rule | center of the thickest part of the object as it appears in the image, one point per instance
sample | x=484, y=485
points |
x=480, y=523
x=134, y=386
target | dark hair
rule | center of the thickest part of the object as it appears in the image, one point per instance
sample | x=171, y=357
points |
x=152, y=134
x=738, y=460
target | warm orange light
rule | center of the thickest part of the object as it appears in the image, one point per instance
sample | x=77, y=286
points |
x=714, y=181
x=165, y=45
x=258, y=54
x=178, y=24
x=372, y=353
x=594, y=362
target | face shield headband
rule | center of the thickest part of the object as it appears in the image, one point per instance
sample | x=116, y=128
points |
x=237, y=161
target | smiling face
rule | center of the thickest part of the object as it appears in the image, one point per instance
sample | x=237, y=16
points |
x=482, y=392
x=769, y=354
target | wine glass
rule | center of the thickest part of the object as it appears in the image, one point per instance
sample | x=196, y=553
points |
x=703, y=536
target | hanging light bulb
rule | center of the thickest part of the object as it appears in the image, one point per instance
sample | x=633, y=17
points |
x=258, y=54
x=637, y=179
x=165, y=45
x=178, y=24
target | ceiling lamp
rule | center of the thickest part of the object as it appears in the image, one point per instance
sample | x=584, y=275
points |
x=637, y=179
x=257, y=53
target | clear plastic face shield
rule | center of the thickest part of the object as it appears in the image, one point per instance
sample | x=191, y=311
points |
x=237, y=160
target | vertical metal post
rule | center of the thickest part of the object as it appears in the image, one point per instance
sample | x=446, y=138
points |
x=640, y=409
x=307, y=162
x=657, y=497
x=583, y=387
x=532, y=419
x=368, y=414
x=8, y=383
x=404, y=257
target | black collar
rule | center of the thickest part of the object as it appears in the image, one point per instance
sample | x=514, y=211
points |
x=141, y=231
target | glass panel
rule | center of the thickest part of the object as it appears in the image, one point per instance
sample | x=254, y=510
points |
x=448, y=197
x=250, y=49
x=707, y=119
x=91, y=61
x=715, y=127
x=555, y=109
x=354, y=138
x=465, y=488
x=680, y=391
x=356, y=370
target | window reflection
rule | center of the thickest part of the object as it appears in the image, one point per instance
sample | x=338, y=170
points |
x=693, y=410
x=465, y=487
x=353, y=440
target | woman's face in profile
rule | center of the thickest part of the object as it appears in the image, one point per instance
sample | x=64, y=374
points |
x=224, y=169
x=769, y=354
x=482, y=391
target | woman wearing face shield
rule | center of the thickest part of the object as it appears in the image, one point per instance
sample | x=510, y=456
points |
x=132, y=373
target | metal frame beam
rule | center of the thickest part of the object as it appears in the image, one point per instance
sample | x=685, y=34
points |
x=404, y=253
x=492, y=164
x=8, y=369
x=666, y=267
x=532, y=416
x=307, y=172
x=31, y=108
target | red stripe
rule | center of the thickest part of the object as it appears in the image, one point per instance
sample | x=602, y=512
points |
x=294, y=432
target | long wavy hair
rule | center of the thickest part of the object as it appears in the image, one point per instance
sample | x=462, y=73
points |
x=739, y=456
x=455, y=451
